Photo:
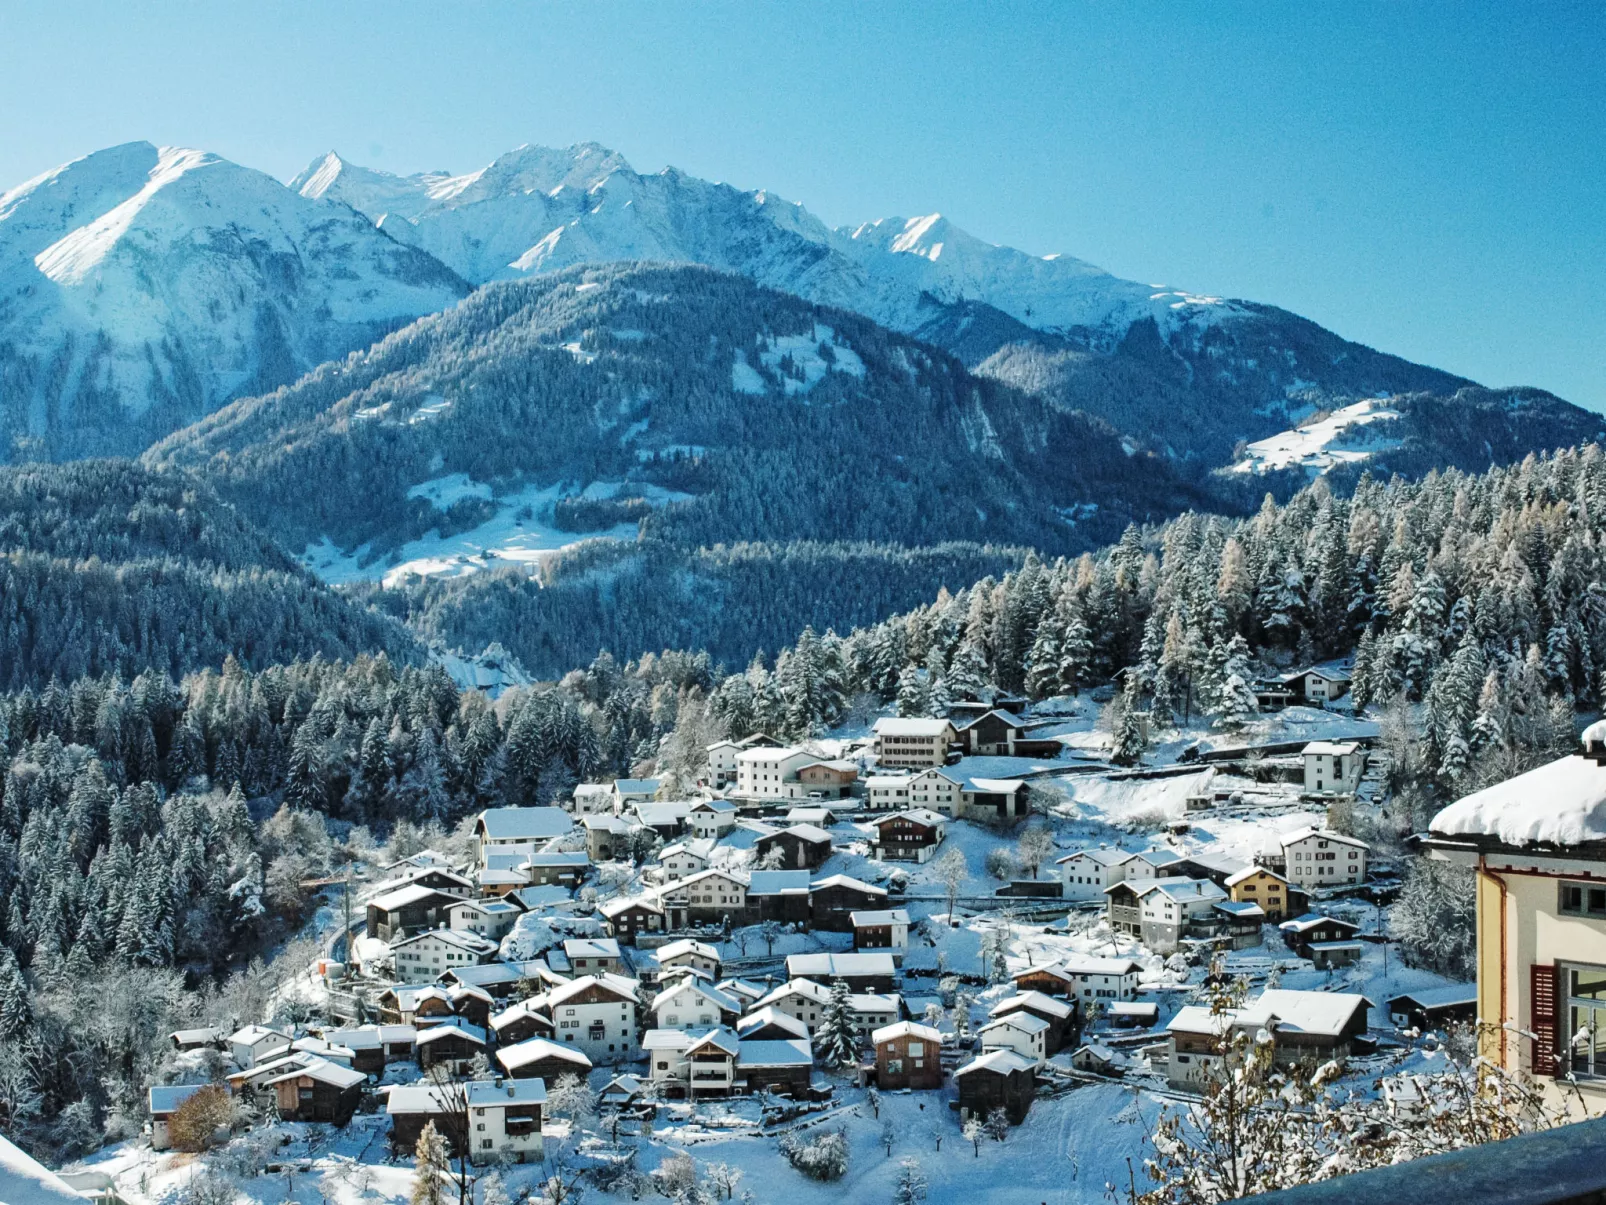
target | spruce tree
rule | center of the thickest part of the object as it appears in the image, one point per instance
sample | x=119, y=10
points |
x=835, y=1041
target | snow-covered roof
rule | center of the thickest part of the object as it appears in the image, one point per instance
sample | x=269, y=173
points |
x=606, y=824
x=836, y=966
x=719, y=806
x=490, y=1094
x=1009, y=717
x=886, y=782
x=1249, y=872
x=915, y=815
x=1311, y=920
x=842, y=880
x=533, y=1050
x=1561, y=803
x=906, y=1029
x=1159, y=857
x=637, y=786
x=1330, y=748
x=775, y=1052
x=666, y=1039
x=804, y=832
x=26, y=1181
x=577, y=857
x=517, y=1012
x=1132, y=1008
x=761, y=1018
x=325, y=1072
x=591, y=947
x=164, y=1099
x=450, y=1026
x=720, y=1037
x=769, y=753
x=741, y=987
x=1001, y=1062
x=1182, y=890
x=1083, y=964
x=685, y=945
x=994, y=786
x=662, y=813
x=1323, y=1013
x=252, y=1034
x=193, y=1037
x=593, y=790
x=1104, y=857
x=1019, y=1019
x=779, y=882
x=886, y=916
x=612, y=908
x=413, y=893
x=617, y=984
x=721, y=1000
x=1439, y=997
x=525, y=824
x=1245, y=910
x=419, y=1098
x=1031, y=1000
x=910, y=726
x=797, y=987
x=463, y=939
x=732, y=876
x=1326, y=834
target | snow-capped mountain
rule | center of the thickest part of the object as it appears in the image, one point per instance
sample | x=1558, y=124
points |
x=537, y=209
x=141, y=287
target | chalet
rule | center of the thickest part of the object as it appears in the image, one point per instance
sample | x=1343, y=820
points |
x=1172, y=910
x=620, y=1092
x=1124, y=910
x=163, y=1101
x=597, y=1014
x=781, y=1065
x=198, y=1039
x=319, y=1091
x=1435, y=1007
x=692, y=1003
x=767, y=773
x=862, y=972
x=770, y=1024
x=779, y=895
x=907, y=1055
x=1019, y=1031
x=399, y=1003
x=994, y=798
x=499, y=882
x=250, y=1084
x=323, y=1048
x=522, y=830
x=1325, y=940
x=408, y=910
x=593, y=799
x=1088, y=873
x=627, y=792
x=1318, y=687
x=1307, y=1028
x=441, y=877
x=1059, y=1015
x=908, y=835
x=565, y=869
x=742, y=989
x=998, y=1079
x=699, y=956
x=1238, y=926
x=832, y=779
x=1333, y=767
x=1258, y=885
x=473, y=1004
x=668, y=820
x=1002, y=734
x=913, y=743
x=504, y=1117
x=1098, y=1059
x=682, y=1063
x=427, y=954
x=374, y=1047
x=491, y=919
x=833, y=901
x=711, y=819
x=593, y=955
x=411, y=1107
x=452, y=1044
x=1315, y=858
x=820, y=817
x=256, y=1044
x=886, y=792
x=1132, y=1014
x=683, y=858
x=522, y=1021
x=722, y=757
x=537, y=1058
x=625, y=918
x=1100, y=978
x=885, y=929
x=802, y=847
x=608, y=837
x=708, y=897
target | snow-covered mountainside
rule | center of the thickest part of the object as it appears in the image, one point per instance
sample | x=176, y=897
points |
x=692, y=402
x=141, y=287
x=1349, y=435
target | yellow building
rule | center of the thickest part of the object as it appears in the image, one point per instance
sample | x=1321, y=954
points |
x=1538, y=845
x=1257, y=885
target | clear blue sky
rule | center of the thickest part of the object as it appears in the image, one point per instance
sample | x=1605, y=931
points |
x=1429, y=180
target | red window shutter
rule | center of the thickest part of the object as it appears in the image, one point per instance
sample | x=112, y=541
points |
x=1545, y=1019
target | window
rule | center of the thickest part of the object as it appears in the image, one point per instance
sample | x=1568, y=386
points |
x=1583, y=899
x=1586, y=1020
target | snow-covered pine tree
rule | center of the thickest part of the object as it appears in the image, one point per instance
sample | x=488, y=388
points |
x=836, y=1043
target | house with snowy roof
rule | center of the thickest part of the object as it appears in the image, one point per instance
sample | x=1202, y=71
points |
x=597, y=1014
x=1060, y=1016
x=1086, y=873
x=768, y=772
x=913, y=743
x=711, y=818
x=593, y=798
x=801, y=847
x=999, y=1078
x=869, y=972
x=409, y=909
x=425, y=955
x=1019, y=1031
x=256, y=1044
x=1174, y=909
x=908, y=835
x=1333, y=767
x=1537, y=846
x=1314, y=858
x=686, y=953
x=994, y=798
x=517, y=828
x=627, y=792
x=1307, y=1028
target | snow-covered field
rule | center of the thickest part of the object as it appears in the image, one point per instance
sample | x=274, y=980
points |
x=1341, y=437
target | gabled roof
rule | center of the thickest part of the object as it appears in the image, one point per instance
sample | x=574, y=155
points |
x=720, y=1037
x=1438, y=997
x=721, y=1000
x=886, y=916
x=1086, y=964
x=1312, y=920
x=524, y=824
x=1009, y=717
x=450, y=1026
x=533, y=1050
x=1020, y=1019
x=1104, y=857
x=923, y=816
x=734, y=876
x=803, y=832
x=1324, y=1013
x=1249, y=872
x=662, y=813
x=492, y=1094
x=607, y=824
x=842, y=880
x=1245, y=910
x=491, y=973
x=1330, y=748
x=617, y=984
x=906, y=1029
x=418, y=1098
x=575, y=858
x=166, y=1098
x=530, y=1008
x=1032, y=1000
x=761, y=1018
x=463, y=939
x=696, y=847
x=779, y=882
x=797, y=987
x=743, y=989
x=612, y=908
x=721, y=807
x=1562, y=803
x=252, y=1034
x=775, y=1052
x=324, y=1072
x=1159, y=857
x=838, y=966
x=769, y=753
x=910, y=726
x=413, y=893
x=591, y=947
x=1182, y=890
x=1301, y=834
x=685, y=945
x=637, y=786
x=994, y=786
x=1000, y=1062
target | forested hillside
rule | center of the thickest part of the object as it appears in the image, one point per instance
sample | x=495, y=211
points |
x=106, y=567
x=782, y=421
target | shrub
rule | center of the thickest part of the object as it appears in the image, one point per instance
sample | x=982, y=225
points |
x=822, y=1158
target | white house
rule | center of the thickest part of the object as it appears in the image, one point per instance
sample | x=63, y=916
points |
x=881, y=929
x=597, y=1014
x=491, y=918
x=1021, y=1032
x=804, y=1000
x=938, y=791
x=886, y=792
x=1320, y=858
x=1086, y=873
x=722, y=757
x=425, y=955
x=627, y=792
x=593, y=798
x=504, y=1117
x=256, y=1044
x=708, y=895
x=771, y=773
x=1101, y=978
x=685, y=858
x=1333, y=767
x=711, y=818
x=914, y=743
x=687, y=952
x=509, y=830
x=592, y=955
x=1168, y=908
x=694, y=1003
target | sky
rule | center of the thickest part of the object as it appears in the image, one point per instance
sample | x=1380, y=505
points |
x=1427, y=179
